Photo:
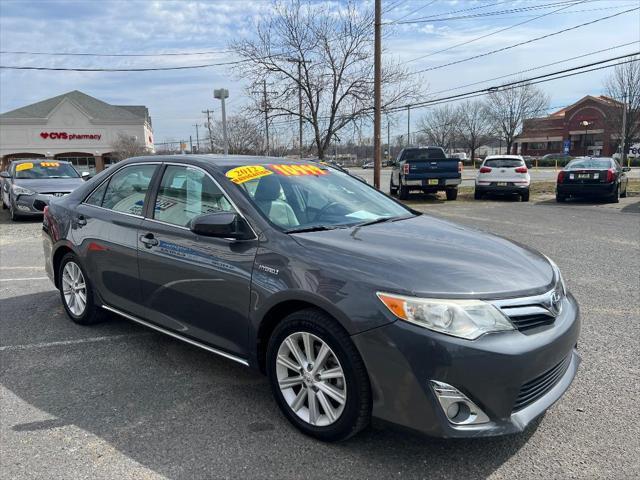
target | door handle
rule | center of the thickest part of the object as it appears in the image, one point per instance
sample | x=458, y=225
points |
x=81, y=221
x=149, y=240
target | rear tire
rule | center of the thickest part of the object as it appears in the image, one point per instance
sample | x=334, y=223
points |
x=452, y=193
x=477, y=195
x=615, y=198
x=560, y=198
x=349, y=380
x=393, y=190
x=404, y=192
x=13, y=215
x=525, y=196
x=76, y=292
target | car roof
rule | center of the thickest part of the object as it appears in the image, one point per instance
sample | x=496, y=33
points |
x=222, y=162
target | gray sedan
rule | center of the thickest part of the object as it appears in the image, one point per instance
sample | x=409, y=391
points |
x=28, y=185
x=354, y=305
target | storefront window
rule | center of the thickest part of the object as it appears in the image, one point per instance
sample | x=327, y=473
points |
x=537, y=146
x=82, y=164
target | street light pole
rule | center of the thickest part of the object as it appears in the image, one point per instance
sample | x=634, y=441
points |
x=197, y=138
x=222, y=94
x=377, y=57
x=585, y=124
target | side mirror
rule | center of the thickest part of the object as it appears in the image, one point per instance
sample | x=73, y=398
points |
x=221, y=225
x=626, y=169
x=5, y=174
x=85, y=176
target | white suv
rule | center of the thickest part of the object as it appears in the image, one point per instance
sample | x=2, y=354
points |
x=504, y=175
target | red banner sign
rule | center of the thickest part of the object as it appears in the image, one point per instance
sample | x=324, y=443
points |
x=70, y=136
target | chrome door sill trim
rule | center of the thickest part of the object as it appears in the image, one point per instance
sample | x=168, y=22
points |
x=177, y=336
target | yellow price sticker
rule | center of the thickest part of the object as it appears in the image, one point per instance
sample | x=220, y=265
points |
x=24, y=166
x=49, y=164
x=240, y=175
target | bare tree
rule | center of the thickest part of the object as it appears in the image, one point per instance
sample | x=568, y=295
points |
x=507, y=108
x=243, y=133
x=326, y=53
x=127, y=146
x=624, y=86
x=473, y=127
x=439, y=125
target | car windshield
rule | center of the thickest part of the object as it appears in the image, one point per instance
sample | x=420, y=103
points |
x=33, y=170
x=504, y=163
x=599, y=163
x=297, y=197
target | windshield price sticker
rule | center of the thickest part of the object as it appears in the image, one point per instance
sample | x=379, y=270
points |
x=244, y=174
x=24, y=166
x=298, y=170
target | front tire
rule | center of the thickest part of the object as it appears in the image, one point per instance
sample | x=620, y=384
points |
x=393, y=190
x=624, y=193
x=404, y=192
x=76, y=292
x=317, y=376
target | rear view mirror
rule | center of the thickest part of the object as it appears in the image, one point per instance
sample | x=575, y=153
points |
x=221, y=225
x=5, y=174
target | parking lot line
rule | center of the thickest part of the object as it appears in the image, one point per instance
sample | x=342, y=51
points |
x=31, y=346
x=22, y=268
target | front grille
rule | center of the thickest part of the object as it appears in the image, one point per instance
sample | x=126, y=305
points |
x=528, y=322
x=536, y=388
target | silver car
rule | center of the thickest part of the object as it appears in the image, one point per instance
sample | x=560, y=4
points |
x=28, y=185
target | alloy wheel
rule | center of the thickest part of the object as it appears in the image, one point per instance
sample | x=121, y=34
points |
x=311, y=379
x=74, y=288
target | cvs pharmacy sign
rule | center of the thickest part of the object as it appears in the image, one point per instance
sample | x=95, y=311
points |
x=69, y=136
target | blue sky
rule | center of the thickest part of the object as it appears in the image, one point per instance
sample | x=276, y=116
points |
x=176, y=99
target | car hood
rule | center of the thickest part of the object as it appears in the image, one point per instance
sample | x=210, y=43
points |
x=427, y=256
x=49, y=184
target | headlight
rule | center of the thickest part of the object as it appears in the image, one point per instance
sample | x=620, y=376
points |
x=461, y=318
x=18, y=190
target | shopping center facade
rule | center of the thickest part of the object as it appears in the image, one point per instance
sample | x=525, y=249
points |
x=74, y=127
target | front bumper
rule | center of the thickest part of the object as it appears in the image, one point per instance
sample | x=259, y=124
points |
x=32, y=204
x=402, y=359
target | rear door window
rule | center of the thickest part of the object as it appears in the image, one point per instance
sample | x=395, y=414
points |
x=128, y=188
x=504, y=163
x=422, y=155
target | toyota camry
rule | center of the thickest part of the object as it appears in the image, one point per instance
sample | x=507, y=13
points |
x=354, y=305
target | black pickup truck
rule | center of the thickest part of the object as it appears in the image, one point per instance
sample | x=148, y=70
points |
x=427, y=169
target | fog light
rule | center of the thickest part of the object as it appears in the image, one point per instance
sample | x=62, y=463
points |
x=458, y=408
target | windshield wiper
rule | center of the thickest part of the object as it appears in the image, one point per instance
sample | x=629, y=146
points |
x=382, y=220
x=315, y=228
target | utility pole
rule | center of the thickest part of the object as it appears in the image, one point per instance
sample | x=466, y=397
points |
x=624, y=131
x=408, y=125
x=300, y=107
x=377, y=57
x=388, y=140
x=209, y=127
x=197, y=138
x=221, y=94
x=266, y=115
x=190, y=144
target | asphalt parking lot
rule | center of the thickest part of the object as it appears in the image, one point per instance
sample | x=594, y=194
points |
x=118, y=401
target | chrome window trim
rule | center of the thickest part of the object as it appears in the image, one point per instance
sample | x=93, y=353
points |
x=177, y=336
x=224, y=193
x=114, y=211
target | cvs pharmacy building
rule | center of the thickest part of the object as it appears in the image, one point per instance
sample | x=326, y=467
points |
x=74, y=127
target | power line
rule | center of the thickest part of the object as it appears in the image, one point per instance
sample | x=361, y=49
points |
x=532, y=80
x=437, y=67
x=87, y=54
x=412, y=12
x=491, y=14
x=537, y=68
x=492, y=33
x=457, y=11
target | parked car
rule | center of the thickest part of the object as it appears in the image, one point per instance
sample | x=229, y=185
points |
x=29, y=184
x=427, y=169
x=368, y=165
x=586, y=177
x=503, y=175
x=353, y=304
